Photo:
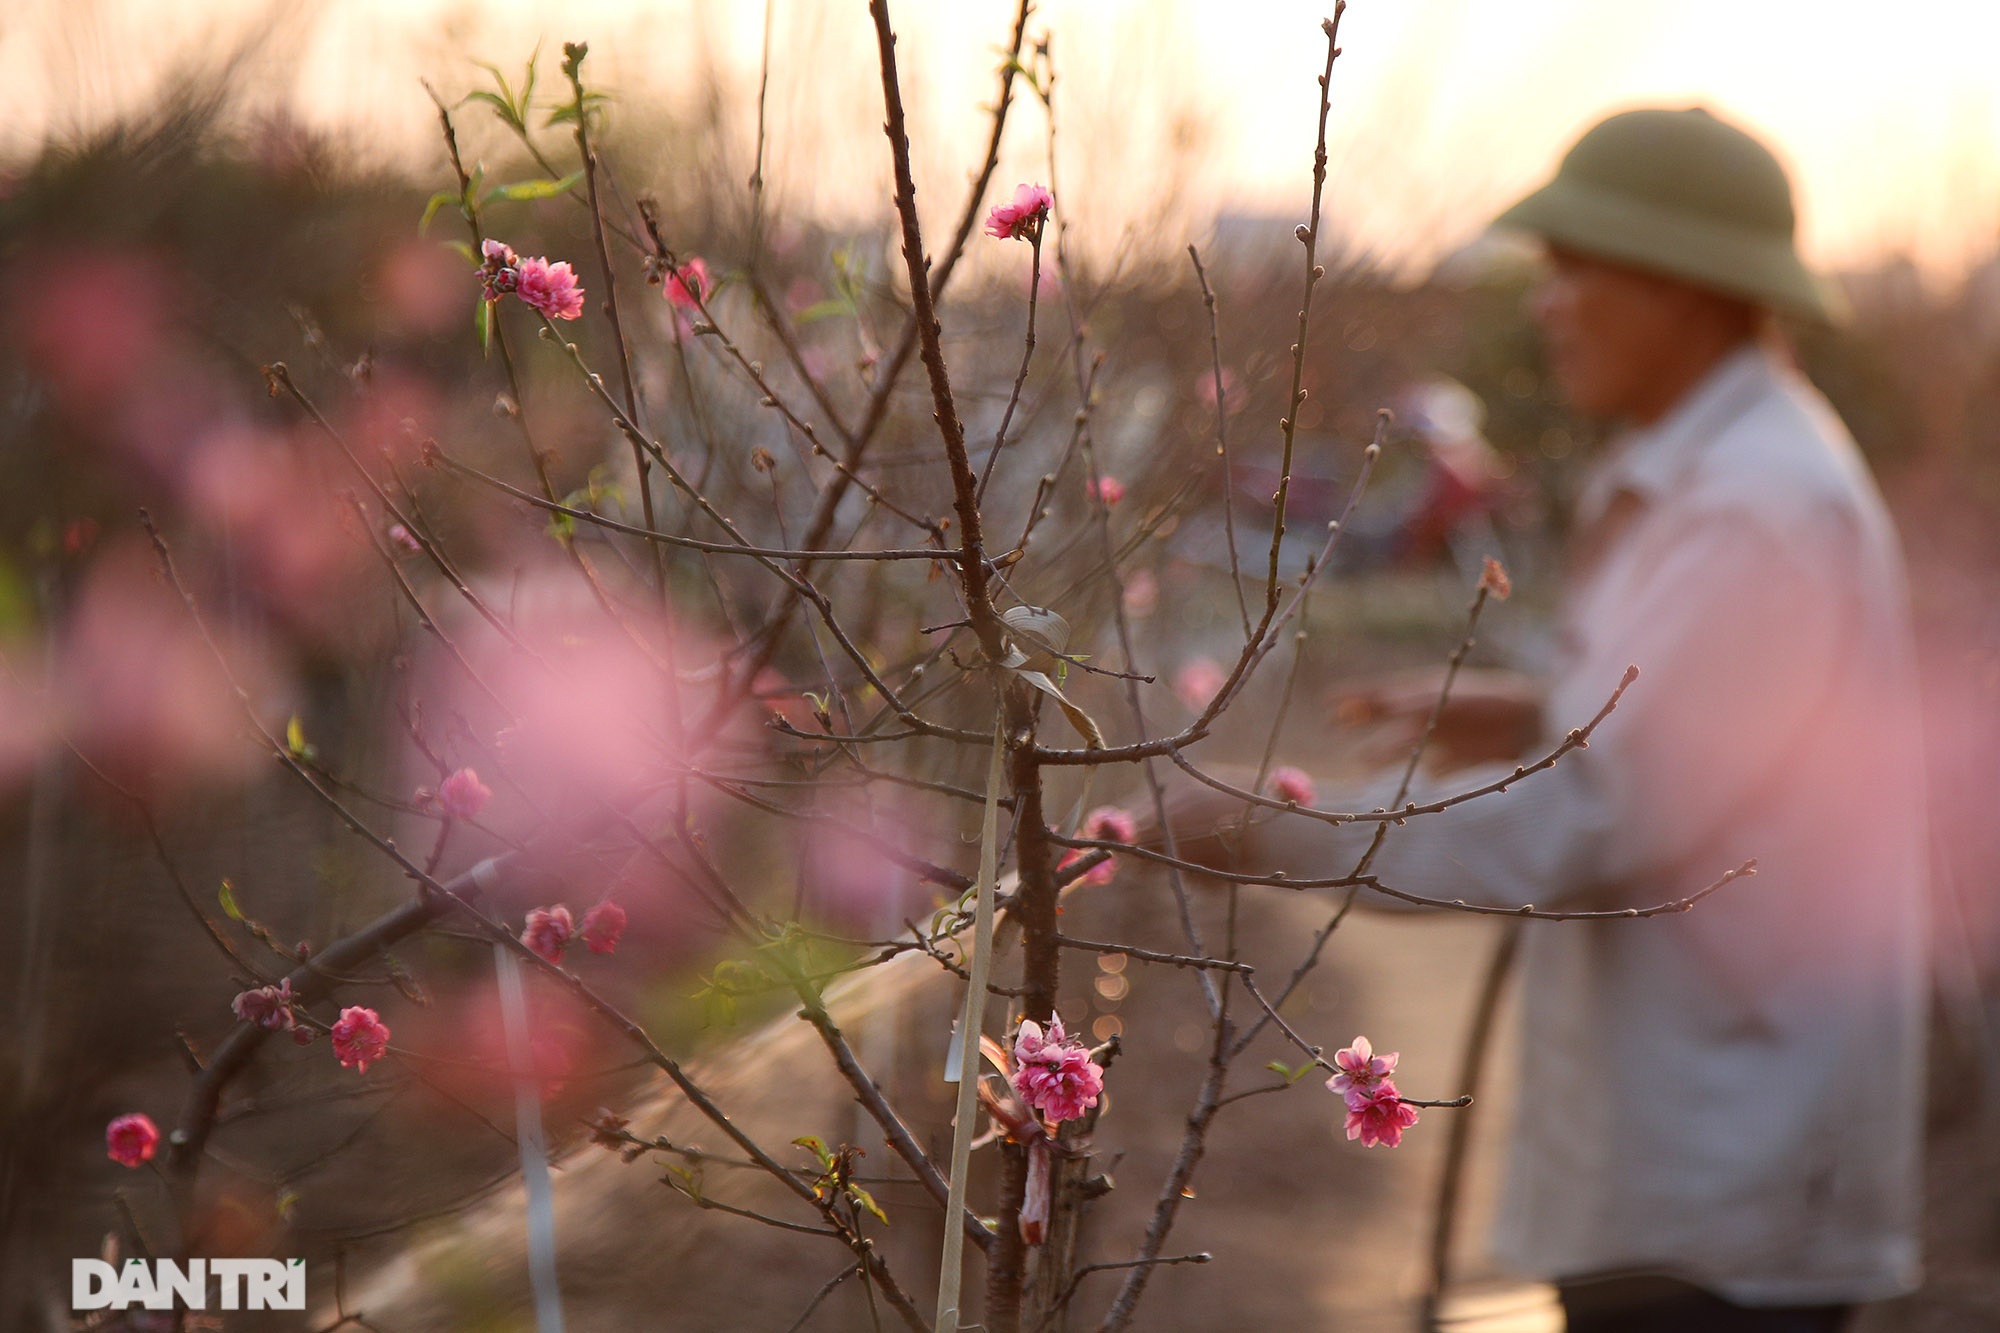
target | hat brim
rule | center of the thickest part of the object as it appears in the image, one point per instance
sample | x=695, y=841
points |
x=1699, y=250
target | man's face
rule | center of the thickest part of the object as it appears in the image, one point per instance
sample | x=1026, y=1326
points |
x=1614, y=334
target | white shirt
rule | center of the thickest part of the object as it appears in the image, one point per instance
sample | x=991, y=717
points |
x=1733, y=1095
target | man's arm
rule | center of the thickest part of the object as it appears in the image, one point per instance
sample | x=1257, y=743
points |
x=1735, y=635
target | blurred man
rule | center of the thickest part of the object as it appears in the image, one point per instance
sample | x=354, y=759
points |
x=1720, y=1112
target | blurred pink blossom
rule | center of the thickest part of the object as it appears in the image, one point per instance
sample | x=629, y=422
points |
x=135, y=688
x=267, y=1006
x=359, y=1038
x=602, y=925
x=1107, y=489
x=1053, y=1073
x=1198, y=681
x=548, y=931
x=1379, y=1117
x=688, y=286
x=803, y=294
x=1204, y=389
x=1021, y=219
x=401, y=536
x=131, y=1140
x=552, y=289
x=577, y=712
x=462, y=795
x=1292, y=784
x=1142, y=593
x=420, y=287
x=1107, y=823
x=96, y=324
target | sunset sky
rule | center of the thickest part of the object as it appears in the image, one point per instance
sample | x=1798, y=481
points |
x=1443, y=109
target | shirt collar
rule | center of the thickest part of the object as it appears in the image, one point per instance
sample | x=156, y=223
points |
x=1650, y=460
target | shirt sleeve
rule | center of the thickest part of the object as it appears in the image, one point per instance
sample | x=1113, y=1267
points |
x=1735, y=634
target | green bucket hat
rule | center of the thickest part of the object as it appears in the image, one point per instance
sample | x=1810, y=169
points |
x=1685, y=194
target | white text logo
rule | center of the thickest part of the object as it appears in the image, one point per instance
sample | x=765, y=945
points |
x=162, y=1284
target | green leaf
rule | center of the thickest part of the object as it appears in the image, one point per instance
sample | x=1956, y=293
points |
x=226, y=895
x=685, y=1179
x=815, y=1145
x=502, y=107
x=528, y=79
x=867, y=1200
x=482, y=320
x=830, y=308
x=566, y=113
x=295, y=740
x=288, y=1201
x=437, y=201
x=537, y=189
x=464, y=248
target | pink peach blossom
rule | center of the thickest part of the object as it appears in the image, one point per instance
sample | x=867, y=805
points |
x=1022, y=218
x=1107, y=489
x=1361, y=1070
x=1053, y=1073
x=602, y=925
x=552, y=289
x=359, y=1038
x=462, y=795
x=1292, y=784
x=548, y=931
x=1379, y=1118
x=267, y=1006
x=688, y=286
x=131, y=1140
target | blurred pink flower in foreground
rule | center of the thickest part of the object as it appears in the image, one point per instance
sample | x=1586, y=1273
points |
x=402, y=537
x=1292, y=784
x=1107, y=823
x=138, y=691
x=1110, y=490
x=1197, y=682
x=550, y=288
x=359, y=1038
x=1142, y=593
x=1022, y=218
x=548, y=931
x=687, y=286
x=267, y=1006
x=1204, y=389
x=602, y=925
x=1053, y=1073
x=131, y=1140
x=1379, y=1118
x=462, y=795
x=577, y=715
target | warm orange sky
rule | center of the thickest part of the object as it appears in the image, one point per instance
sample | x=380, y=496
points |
x=1443, y=108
